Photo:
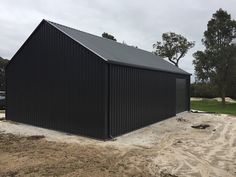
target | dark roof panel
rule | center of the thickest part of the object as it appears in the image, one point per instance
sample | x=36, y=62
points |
x=116, y=52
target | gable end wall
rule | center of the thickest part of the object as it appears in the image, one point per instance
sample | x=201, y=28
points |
x=56, y=83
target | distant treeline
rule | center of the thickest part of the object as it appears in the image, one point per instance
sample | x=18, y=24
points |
x=208, y=90
x=3, y=63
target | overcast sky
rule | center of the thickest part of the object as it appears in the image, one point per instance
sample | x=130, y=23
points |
x=137, y=22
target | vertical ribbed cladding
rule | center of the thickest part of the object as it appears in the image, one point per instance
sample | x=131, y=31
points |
x=139, y=97
x=56, y=83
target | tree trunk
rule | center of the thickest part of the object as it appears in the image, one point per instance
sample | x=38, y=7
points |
x=223, y=96
x=172, y=61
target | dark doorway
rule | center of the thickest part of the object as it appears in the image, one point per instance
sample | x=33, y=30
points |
x=181, y=95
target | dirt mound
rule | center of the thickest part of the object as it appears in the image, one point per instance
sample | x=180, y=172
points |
x=196, y=99
x=23, y=156
x=227, y=99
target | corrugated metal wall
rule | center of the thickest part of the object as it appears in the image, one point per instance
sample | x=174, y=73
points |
x=139, y=97
x=54, y=82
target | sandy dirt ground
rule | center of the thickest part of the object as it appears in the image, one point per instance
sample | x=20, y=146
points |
x=227, y=99
x=167, y=149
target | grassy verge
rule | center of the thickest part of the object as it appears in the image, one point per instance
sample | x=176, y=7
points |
x=2, y=111
x=214, y=106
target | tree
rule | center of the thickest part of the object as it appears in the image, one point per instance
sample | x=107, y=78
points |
x=173, y=47
x=3, y=63
x=215, y=63
x=108, y=36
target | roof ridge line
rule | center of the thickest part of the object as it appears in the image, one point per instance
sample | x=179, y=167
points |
x=109, y=40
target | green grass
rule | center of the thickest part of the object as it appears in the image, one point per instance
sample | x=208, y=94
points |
x=2, y=111
x=214, y=106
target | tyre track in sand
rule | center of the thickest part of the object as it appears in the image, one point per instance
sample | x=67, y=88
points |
x=202, y=153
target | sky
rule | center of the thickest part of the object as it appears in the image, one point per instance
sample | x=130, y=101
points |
x=136, y=22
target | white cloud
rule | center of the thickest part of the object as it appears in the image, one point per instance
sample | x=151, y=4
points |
x=138, y=23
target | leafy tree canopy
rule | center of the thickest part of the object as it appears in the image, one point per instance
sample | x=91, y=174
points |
x=215, y=64
x=173, y=47
x=108, y=36
x=3, y=63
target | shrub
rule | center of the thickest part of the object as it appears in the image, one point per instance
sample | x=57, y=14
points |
x=204, y=90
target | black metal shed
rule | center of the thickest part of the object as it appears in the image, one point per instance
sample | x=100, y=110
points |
x=72, y=81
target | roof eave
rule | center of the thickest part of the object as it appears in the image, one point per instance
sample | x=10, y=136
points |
x=147, y=68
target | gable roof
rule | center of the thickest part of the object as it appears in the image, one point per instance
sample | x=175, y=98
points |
x=115, y=52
